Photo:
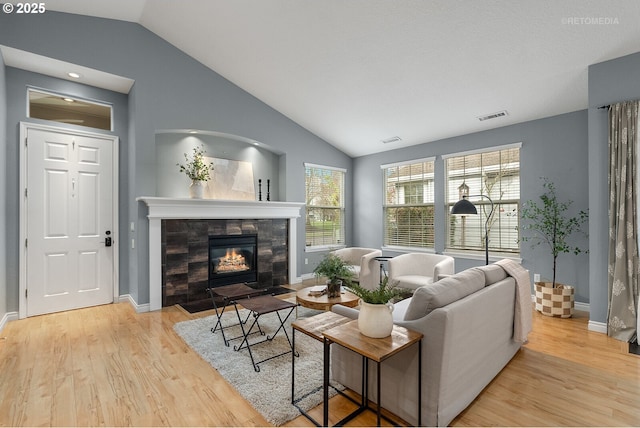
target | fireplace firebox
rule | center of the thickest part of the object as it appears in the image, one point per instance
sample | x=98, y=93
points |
x=233, y=259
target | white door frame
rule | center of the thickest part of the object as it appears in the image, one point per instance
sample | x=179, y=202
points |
x=24, y=127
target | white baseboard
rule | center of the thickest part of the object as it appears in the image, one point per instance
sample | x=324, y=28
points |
x=145, y=307
x=307, y=276
x=9, y=316
x=579, y=306
x=598, y=327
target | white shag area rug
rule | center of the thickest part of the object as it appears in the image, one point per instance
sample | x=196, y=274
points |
x=269, y=390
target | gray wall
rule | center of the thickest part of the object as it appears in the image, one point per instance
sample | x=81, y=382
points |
x=555, y=147
x=171, y=91
x=3, y=189
x=609, y=82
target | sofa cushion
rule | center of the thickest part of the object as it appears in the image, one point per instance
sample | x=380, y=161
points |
x=492, y=274
x=355, y=270
x=412, y=282
x=441, y=293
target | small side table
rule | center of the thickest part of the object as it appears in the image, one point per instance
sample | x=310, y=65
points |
x=376, y=350
x=230, y=294
x=383, y=260
x=313, y=327
x=259, y=306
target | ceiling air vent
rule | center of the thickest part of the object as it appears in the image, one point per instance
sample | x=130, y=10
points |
x=391, y=140
x=493, y=115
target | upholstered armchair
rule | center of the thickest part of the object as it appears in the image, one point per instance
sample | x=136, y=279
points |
x=413, y=270
x=366, y=269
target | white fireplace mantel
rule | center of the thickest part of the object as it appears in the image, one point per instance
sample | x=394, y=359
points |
x=181, y=208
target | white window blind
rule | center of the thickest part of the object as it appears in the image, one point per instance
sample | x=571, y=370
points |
x=324, y=205
x=495, y=174
x=409, y=204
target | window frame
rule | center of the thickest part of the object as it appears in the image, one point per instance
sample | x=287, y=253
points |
x=512, y=203
x=340, y=208
x=428, y=179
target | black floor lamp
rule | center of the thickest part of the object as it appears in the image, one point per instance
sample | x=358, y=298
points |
x=465, y=207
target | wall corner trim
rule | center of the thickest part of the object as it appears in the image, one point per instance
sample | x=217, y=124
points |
x=9, y=316
x=598, y=327
x=138, y=308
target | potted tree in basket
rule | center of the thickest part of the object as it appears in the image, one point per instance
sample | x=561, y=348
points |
x=198, y=171
x=550, y=224
x=336, y=271
x=376, y=306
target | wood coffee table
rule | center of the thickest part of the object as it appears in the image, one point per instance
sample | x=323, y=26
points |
x=324, y=302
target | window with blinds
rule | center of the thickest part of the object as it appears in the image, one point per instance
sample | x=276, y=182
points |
x=409, y=204
x=324, y=205
x=495, y=174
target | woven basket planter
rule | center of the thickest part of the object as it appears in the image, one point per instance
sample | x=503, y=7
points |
x=554, y=302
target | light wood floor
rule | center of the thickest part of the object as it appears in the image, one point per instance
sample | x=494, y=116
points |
x=108, y=366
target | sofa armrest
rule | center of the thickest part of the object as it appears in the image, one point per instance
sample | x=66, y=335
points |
x=345, y=311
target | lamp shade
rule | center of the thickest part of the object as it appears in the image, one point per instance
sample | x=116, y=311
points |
x=464, y=207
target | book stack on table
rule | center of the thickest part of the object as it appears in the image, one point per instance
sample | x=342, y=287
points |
x=317, y=290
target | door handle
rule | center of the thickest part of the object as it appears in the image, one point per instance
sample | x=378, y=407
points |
x=107, y=240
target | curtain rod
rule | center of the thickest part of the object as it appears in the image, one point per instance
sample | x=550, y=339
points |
x=609, y=105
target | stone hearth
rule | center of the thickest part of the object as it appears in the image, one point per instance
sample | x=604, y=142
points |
x=185, y=257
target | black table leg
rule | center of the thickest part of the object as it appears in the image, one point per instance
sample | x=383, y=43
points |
x=325, y=409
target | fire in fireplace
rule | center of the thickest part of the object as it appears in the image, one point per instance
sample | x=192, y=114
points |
x=232, y=259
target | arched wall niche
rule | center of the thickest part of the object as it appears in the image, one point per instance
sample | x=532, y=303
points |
x=245, y=153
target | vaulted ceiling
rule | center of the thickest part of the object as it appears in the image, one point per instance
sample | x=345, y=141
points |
x=357, y=72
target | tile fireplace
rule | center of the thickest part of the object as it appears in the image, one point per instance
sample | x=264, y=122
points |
x=179, y=231
x=200, y=253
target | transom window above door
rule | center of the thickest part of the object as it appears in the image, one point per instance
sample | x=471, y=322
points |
x=69, y=110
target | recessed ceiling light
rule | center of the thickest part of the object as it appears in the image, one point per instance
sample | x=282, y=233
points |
x=391, y=140
x=69, y=100
x=74, y=75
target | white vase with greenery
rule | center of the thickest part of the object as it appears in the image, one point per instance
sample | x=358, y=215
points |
x=198, y=171
x=375, y=318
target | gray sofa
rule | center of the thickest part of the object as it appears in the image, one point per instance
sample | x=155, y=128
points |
x=468, y=324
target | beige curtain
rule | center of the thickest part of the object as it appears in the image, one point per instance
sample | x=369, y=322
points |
x=623, y=233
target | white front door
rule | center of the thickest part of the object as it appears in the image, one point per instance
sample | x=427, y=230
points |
x=69, y=218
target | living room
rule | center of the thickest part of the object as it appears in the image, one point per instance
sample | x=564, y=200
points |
x=173, y=91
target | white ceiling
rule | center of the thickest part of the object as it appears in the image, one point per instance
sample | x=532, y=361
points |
x=355, y=72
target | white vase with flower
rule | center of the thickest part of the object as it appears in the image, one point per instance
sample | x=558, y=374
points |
x=198, y=171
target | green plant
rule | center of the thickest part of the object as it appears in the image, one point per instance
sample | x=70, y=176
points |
x=334, y=268
x=381, y=295
x=196, y=168
x=550, y=224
